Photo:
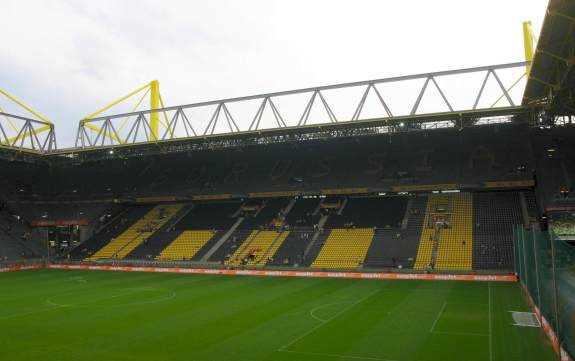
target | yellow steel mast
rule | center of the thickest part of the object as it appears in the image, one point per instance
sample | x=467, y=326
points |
x=18, y=102
x=154, y=104
x=528, y=41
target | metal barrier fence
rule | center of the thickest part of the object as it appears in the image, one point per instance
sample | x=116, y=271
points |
x=546, y=268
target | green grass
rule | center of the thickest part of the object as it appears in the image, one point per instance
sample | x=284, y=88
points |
x=90, y=315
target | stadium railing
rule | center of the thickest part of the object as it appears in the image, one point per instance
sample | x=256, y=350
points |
x=219, y=265
x=545, y=265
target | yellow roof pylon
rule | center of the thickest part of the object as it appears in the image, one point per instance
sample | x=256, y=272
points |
x=156, y=102
x=27, y=134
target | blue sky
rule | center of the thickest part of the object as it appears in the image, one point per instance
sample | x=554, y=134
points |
x=68, y=58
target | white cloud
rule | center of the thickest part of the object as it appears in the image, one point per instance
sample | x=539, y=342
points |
x=68, y=58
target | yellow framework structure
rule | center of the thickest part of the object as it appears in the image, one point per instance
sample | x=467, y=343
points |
x=528, y=44
x=47, y=126
x=529, y=41
x=156, y=102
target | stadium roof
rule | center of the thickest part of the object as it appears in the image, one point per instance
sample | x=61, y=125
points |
x=552, y=78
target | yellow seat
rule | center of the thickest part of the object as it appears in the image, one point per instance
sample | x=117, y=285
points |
x=185, y=246
x=344, y=248
x=455, y=243
x=261, y=245
x=138, y=232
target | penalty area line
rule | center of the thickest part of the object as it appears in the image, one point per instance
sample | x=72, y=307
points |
x=438, y=316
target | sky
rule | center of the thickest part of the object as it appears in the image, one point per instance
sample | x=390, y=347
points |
x=68, y=58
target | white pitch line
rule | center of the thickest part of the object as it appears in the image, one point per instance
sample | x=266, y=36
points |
x=462, y=333
x=438, y=316
x=328, y=320
x=490, y=336
x=339, y=356
x=312, y=312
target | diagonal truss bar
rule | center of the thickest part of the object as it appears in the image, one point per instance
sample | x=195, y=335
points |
x=481, y=89
x=3, y=133
x=307, y=110
x=442, y=95
x=419, y=97
x=231, y=122
x=187, y=124
x=28, y=133
x=279, y=119
x=256, y=121
x=503, y=88
x=213, y=120
x=330, y=113
x=357, y=114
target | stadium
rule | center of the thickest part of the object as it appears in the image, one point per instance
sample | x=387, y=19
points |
x=383, y=235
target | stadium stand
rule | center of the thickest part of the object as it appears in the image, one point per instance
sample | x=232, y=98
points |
x=314, y=247
x=215, y=196
x=291, y=251
x=154, y=244
x=209, y=215
x=230, y=246
x=139, y=232
x=109, y=231
x=456, y=231
x=455, y=244
x=429, y=235
x=344, y=248
x=160, y=239
x=258, y=248
x=483, y=154
x=447, y=241
x=266, y=211
x=11, y=248
x=397, y=247
x=69, y=211
x=380, y=212
x=185, y=246
x=16, y=240
x=303, y=213
x=494, y=214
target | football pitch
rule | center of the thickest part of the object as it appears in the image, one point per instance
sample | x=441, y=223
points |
x=69, y=315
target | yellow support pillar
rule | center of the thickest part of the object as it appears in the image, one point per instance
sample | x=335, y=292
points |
x=154, y=104
x=528, y=44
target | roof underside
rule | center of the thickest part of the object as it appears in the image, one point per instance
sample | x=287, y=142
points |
x=552, y=78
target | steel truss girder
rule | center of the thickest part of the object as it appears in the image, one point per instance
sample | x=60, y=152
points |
x=390, y=126
x=181, y=124
x=27, y=134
